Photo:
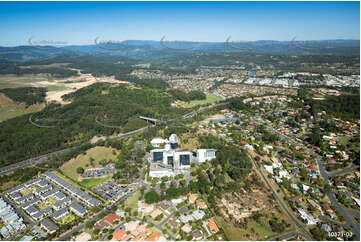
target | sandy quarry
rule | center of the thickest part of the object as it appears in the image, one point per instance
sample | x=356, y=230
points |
x=72, y=87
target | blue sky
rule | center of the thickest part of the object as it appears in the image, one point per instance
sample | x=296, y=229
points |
x=82, y=22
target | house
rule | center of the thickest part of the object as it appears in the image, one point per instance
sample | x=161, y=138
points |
x=186, y=218
x=62, y=203
x=328, y=209
x=78, y=209
x=174, y=223
x=164, y=205
x=186, y=228
x=326, y=228
x=139, y=229
x=101, y=225
x=60, y=213
x=155, y=213
x=49, y=226
x=140, y=237
x=197, y=234
x=118, y=235
x=213, y=226
x=308, y=218
x=60, y=196
x=120, y=213
x=192, y=198
x=201, y=205
x=153, y=237
x=111, y=218
x=31, y=210
x=198, y=214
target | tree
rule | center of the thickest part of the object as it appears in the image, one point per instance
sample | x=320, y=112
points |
x=80, y=170
x=172, y=193
x=151, y=197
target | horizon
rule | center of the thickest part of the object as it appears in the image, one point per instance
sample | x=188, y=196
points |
x=79, y=23
x=183, y=41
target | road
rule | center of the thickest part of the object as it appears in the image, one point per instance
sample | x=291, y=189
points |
x=325, y=175
x=157, y=226
x=81, y=226
x=307, y=235
x=344, y=171
x=287, y=236
x=43, y=158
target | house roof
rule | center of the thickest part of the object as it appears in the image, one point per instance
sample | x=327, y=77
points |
x=153, y=237
x=155, y=213
x=192, y=197
x=111, y=218
x=213, y=226
x=201, y=204
x=118, y=235
x=49, y=225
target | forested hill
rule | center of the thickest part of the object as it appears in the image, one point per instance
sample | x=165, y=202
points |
x=27, y=95
x=77, y=122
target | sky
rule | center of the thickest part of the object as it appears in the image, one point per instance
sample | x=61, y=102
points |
x=82, y=22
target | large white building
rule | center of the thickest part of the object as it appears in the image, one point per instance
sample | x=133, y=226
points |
x=171, y=161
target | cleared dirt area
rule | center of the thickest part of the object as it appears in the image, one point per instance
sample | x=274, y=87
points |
x=78, y=82
x=57, y=87
x=245, y=214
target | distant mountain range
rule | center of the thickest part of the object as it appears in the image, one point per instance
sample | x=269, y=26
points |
x=144, y=49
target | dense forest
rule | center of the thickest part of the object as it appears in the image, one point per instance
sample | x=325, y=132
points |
x=91, y=109
x=57, y=72
x=187, y=96
x=27, y=95
x=345, y=106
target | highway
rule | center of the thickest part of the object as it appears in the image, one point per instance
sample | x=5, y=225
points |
x=43, y=158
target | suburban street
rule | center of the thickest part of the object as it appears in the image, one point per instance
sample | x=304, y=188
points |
x=355, y=228
x=306, y=234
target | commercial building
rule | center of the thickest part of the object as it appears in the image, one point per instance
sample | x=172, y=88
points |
x=171, y=161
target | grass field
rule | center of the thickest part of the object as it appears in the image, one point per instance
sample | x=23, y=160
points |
x=261, y=232
x=12, y=81
x=132, y=202
x=210, y=99
x=56, y=88
x=93, y=182
x=97, y=153
x=10, y=109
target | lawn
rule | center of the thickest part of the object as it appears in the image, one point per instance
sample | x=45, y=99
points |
x=210, y=99
x=52, y=200
x=97, y=153
x=261, y=232
x=10, y=109
x=67, y=219
x=93, y=182
x=132, y=202
x=28, y=190
x=56, y=88
x=42, y=205
x=12, y=81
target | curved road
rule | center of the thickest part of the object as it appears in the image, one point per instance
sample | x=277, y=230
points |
x=355, y=228
x=306, y=234
x=42, y=158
